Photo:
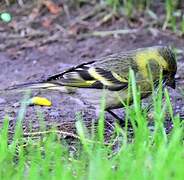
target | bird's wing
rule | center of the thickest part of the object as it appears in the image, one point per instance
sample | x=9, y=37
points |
x=88, y=75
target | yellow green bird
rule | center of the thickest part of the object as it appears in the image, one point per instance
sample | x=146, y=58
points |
x=111, y=74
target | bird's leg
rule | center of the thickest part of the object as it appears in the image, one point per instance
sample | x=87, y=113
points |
x=120, y=120
x=148, y=111
x=147, y=106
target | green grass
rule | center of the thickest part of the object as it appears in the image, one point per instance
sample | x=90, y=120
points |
x=149, y=154
x=173, y=11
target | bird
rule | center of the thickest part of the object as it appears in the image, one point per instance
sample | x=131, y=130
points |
x=109, y=75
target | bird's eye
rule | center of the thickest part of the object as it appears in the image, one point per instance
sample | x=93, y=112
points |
x=165, y=72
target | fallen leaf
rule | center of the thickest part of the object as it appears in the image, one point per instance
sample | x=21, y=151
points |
x=39, y=101
x=52, y=7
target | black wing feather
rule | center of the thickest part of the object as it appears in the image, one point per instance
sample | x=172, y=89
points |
x=68, y=78
x=60, y=75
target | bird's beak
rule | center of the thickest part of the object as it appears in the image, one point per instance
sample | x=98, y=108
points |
x=171, y=82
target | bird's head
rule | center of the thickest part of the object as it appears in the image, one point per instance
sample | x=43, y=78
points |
x=169, y=71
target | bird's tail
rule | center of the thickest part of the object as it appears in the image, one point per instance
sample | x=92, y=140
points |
x=35, y=86
x=31, y=85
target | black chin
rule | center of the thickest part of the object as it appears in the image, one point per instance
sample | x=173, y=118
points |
x=171, y=83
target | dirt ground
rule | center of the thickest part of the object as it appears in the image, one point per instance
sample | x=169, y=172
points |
x=38, y=44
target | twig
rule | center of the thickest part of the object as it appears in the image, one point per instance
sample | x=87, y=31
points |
x=88, y=15
x=63, y=133
x=114, y=32
x=51, y=131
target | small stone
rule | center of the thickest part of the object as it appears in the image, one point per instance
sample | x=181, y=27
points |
x=17, y=104
x=2, y=101
x=54, y=114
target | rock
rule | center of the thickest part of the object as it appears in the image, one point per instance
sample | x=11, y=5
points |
x=2, y=101
x=54, y=114
x=16, y=105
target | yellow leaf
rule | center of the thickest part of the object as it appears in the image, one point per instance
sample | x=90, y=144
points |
x=40, y=101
